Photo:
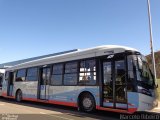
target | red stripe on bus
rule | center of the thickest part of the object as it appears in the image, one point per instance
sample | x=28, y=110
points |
x=11, y=97
x=4, y=94
x=130, y=104
x=71, y=104
x=132, y=110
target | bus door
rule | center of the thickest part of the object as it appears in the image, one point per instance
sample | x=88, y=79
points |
x=10, y=84
x=44, y=83
x=114, y=82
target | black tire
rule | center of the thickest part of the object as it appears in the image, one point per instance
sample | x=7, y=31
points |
x=87, y=103
x=19, y=96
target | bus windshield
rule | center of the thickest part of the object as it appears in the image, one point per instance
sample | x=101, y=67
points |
x=145, y=76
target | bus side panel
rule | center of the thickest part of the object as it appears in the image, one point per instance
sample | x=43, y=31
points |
x=29, y=89
x=133, y=99
x=70, y=93
x=64, y=95
x=4, y=88
x=146, y=102
x=141, y=102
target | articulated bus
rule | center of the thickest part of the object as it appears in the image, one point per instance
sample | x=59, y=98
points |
x=110, y=78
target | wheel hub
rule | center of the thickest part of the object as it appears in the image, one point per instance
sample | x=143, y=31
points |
x=87, y=102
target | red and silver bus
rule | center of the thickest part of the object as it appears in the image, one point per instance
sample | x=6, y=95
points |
x=111, y=78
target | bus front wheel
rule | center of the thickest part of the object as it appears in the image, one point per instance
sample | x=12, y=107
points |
x=87, y=103
x=19, y=96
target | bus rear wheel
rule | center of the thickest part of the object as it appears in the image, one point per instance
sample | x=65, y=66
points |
x=19, y=96
x=87, y=103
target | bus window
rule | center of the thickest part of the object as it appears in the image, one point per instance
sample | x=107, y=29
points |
x=32, y=74
x=57, y=74
x=107, y=66
x=6, y=76
x=120, y=84
x=120, y=72
x=146, y=77
x=130, y=69
x=87, y=75
x=21, y=74
x=70, y=76
x=131, y=76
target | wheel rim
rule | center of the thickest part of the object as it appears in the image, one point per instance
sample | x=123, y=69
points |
x=87, y=103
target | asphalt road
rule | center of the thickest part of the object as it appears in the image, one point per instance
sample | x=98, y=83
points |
x=11, y=110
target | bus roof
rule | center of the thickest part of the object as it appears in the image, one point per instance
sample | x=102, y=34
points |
x=75, y=55
x=17, y=62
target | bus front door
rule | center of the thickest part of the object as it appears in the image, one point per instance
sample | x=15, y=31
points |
x=114, y=83
x=44, y=83
x=10, y=84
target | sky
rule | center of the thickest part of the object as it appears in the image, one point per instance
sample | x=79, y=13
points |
x=30, y=28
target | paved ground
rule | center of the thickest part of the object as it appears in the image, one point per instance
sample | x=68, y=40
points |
x=156, y=110
x=11, y=110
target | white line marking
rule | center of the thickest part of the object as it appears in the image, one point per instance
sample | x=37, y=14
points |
x=56, y=116
x=43, y=113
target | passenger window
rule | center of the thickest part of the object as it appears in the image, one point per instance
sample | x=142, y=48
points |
x=32, y=74
x=21, y=74
x=70, y=76
x=120, y=72
x=6, y=76
x=71, y=67
x=87, y=75
x=57, y=74
x=107, y=69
